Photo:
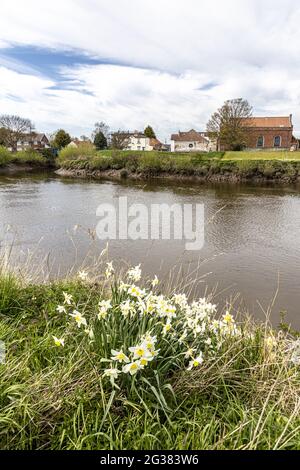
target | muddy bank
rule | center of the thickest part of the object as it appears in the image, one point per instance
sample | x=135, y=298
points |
x=13, y=168
x=215, y=177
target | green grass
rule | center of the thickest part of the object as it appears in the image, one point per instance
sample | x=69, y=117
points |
x=245, y=395
x=24, y=157
x=264, y=155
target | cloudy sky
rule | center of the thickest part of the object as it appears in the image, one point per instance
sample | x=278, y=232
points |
x=169, y=63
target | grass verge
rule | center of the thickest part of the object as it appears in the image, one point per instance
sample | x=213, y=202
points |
x=116, y=364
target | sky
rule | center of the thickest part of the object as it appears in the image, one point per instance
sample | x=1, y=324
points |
x=168, y=63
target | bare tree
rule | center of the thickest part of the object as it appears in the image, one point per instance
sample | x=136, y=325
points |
x=100, y=127
x=16, y=128
x=229, y=124
x=119, y=140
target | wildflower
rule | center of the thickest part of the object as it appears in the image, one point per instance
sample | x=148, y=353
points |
x=149, y=342
x=141, y=351
x=119, y=356
x=61, y=309
x=196, y=362
x=155, y=282
x=104, y=306
x=180, y=300
x=126, y=308
x=112, y=373
x=135, y=274
x=132, y=368
x=183, y=337
x=80, y=320
x=59, y=342
x=135, y=291
x=167, y=327
x=68, y=298
x=208, y=341
x=83, y=275
x=189, y=353
x=228, y=319
x=123, y=287
x=109, y=270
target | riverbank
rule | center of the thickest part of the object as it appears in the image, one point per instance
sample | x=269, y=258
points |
x=23, y=162
x=214, y=167
x=99, y=363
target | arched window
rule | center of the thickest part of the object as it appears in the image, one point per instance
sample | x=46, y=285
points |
x=277, y=141
x=191, y=146
x=260, y=141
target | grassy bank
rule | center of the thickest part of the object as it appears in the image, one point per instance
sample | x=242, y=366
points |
x=25, y=157
x=211, y=166
x=109, y=365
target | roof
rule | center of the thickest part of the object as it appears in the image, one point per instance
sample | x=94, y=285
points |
x=190, y=136
x=127, y=134
x=273, y=122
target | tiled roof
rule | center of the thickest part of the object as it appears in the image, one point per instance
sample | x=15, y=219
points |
x=190, y=136
x=279, y=122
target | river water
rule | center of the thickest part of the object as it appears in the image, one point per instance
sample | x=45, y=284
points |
x=252, y=244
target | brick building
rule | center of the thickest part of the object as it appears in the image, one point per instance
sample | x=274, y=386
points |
x=270, y=133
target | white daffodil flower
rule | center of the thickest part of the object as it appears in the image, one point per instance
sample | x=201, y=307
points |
x=119, y=356
x=83, y=275
x=68, y=298
x=59, y=342
x=79, y=318
x=61, y=309
x=135, y=274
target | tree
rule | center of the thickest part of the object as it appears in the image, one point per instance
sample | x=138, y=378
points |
x=227, y=125
x=3, y=136
x=100, y=141
x=149, y=132
x=13, y=129
x=100, y=127
x=61, y=139
x=84, y=138
x=119, y=140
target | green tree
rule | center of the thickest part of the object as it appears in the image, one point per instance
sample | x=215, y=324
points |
x=149, y=132
x=227, y=125
x=61, y=139
x=100, y=141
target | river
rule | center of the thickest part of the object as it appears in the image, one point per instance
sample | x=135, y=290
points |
x=252, y=244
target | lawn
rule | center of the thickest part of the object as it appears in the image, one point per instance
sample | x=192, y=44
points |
x=281, y=156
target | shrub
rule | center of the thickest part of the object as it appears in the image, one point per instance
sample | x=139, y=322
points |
x=28, y=156
x=83, y=150
x=5, y=156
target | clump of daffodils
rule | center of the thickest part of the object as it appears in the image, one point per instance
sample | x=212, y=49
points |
x=139, y=331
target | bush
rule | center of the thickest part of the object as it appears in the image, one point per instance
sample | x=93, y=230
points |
x=5, y=156
x=83, y=150
x=28, y=156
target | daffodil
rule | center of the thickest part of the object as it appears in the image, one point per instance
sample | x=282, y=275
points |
x=112, y=373
x=228, y=319
x=119, y=356
x=196, y=362
x=79, y=318
x=61, y=309
x=135, y=291
x=155, y=282
x=126, y=308
x=109, y=270
x=90, y=333
x=59, y=342
x=180, y=300
x=140, y=351
x=104, y=306
x=167, y=327
x=132, y=368
x=83, y=275
x=68, y=298
x=135, y=274
x=189, y=353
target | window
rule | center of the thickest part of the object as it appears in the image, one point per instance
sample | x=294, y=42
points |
x=260, y=141
x=277, y=141
x=191, y=146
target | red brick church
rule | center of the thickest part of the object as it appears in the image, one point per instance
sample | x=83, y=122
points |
x=270, y=133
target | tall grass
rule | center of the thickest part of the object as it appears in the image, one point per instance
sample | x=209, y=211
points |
x=58, y=388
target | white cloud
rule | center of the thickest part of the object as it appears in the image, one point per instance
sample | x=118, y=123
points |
x=173, y=51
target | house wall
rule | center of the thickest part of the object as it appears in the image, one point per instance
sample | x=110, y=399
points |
x=190, y=146
x=269, y=136
x=139, y=143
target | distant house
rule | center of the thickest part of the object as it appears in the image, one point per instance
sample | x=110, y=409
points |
x=192, y=141
x=34, y=141
x=75, y=143
x=136, y=141
x=270, y=133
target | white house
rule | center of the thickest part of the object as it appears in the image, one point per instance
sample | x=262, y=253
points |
x=34, y=141
x=192, y=141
